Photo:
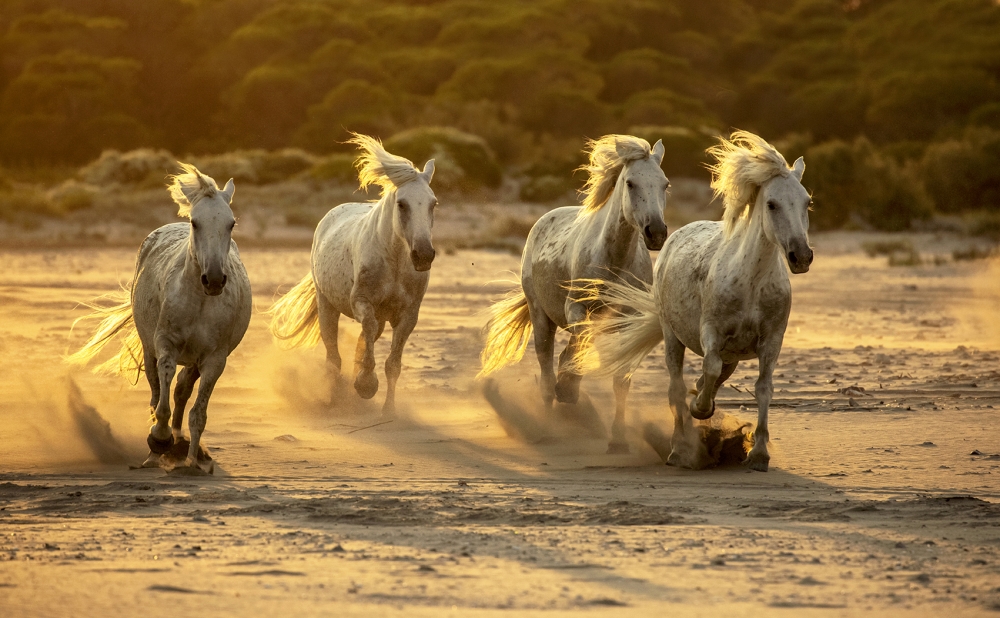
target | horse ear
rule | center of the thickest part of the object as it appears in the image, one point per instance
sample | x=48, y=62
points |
x=798, y=168
x=657, y=152
x=229, y=191
x=428, y=172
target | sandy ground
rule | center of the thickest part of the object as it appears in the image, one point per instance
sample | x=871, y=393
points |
x=886, y=502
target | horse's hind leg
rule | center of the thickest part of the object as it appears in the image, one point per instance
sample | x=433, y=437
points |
x=210, y=371
x=160, y=438
x=329, y=326
x=618, y=445
x=544, y=331
x=366, y=382
x=182, y=392
x=686, y=449
x=394, y=363
x=567, y=388
x=758, y=458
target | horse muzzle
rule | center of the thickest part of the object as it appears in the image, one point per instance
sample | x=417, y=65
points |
x=214, y=283
x=800, y=260
x=654, y=235
x=422, y=257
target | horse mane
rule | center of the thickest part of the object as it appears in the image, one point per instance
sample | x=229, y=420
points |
x=743, y=163
x=189, y=187
x=377, y=166
x=608, y=157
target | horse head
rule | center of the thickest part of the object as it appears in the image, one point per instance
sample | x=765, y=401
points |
x=644, y=196
x=212, y=223
x=414, y=216
x=785, y=203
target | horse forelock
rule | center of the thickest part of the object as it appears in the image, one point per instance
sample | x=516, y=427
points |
x=189, y=187
x=377, y=166
x=743, y=163
x=608, y=156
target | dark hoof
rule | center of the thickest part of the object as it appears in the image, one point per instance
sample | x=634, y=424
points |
x=757, y=461
x=159, y=446
x=366, y=385
x=568, y=389
x=700, y=415
x=618, y=448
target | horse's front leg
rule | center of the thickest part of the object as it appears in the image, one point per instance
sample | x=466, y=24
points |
x=686, y=447
x=160, y=438
x=366, y=382
x=394, y=363
x=568, y=382
x=618, y=445
x=758, y=459
x=703, y=404
x=211, y=369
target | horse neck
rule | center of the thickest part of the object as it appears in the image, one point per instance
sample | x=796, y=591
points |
x=618, y=234
x=754, y=253
x=385, y=227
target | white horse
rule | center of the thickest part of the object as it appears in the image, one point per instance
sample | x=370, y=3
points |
x=189, y=304
x=370, y=262
x=721, y=289
x=621, y=218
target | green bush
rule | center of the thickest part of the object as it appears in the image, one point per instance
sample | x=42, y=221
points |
x=338, y=167
x=463, y=160
x=132, y=167
x=547, y=188
x=855, y=180
x=964, y=174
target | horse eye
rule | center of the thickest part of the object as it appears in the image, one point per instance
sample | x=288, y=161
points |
x=194, y=225
x=771, y=206
x=628, y=183
x=402, y=205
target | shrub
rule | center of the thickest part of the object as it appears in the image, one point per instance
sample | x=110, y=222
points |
x=546, y=188
x=338, y=167
x=857, y=180
x=964, y=174
x=72, y=195
x=463, y=160
x=24, y=206
x=130, y=167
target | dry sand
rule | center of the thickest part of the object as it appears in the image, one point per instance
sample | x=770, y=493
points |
x=875, y=502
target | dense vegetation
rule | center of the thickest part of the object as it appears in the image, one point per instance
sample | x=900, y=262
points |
x=895, y=103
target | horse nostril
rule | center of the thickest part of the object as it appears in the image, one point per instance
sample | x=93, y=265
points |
x=791, y=257
x=224, y=279
x=648, y=232
x=204, y=280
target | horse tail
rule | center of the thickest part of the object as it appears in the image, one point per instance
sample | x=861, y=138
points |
x=115, y=320
x=616, y=340
x=507, y=332
x=295, y=316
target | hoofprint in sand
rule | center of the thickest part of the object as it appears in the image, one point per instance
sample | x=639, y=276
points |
x=878, y=500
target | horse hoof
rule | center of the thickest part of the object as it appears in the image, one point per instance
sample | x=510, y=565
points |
x=366, y=386
x=568, y=393
x=618, y=448
x=757, y=461
x=699, y=414
x=159, y=446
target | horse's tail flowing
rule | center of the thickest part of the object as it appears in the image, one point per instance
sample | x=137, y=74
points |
x=115, y=320
x=616, y=341
x=295, y=316
x=507, y=332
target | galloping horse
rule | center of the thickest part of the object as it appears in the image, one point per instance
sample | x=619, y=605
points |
x=189, y=304
x=721, y=290
x=370, y=262
x=608, y=237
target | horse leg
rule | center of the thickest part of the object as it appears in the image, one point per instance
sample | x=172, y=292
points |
x=329, y=326
x=394, y=363
x=182, y=392
x=210, y=371
x=618, y=445
x=568, y=383
x=160, y=439
x=545, y=339
x=366, y=382
x=153, y=377
x=727, y=371
x=759, y=458
x=683, y=442
x=703, y=404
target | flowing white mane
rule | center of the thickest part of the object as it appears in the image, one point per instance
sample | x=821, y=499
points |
x=608, y=157
x=377, y=166
x=189, y=187
x=742, y=164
